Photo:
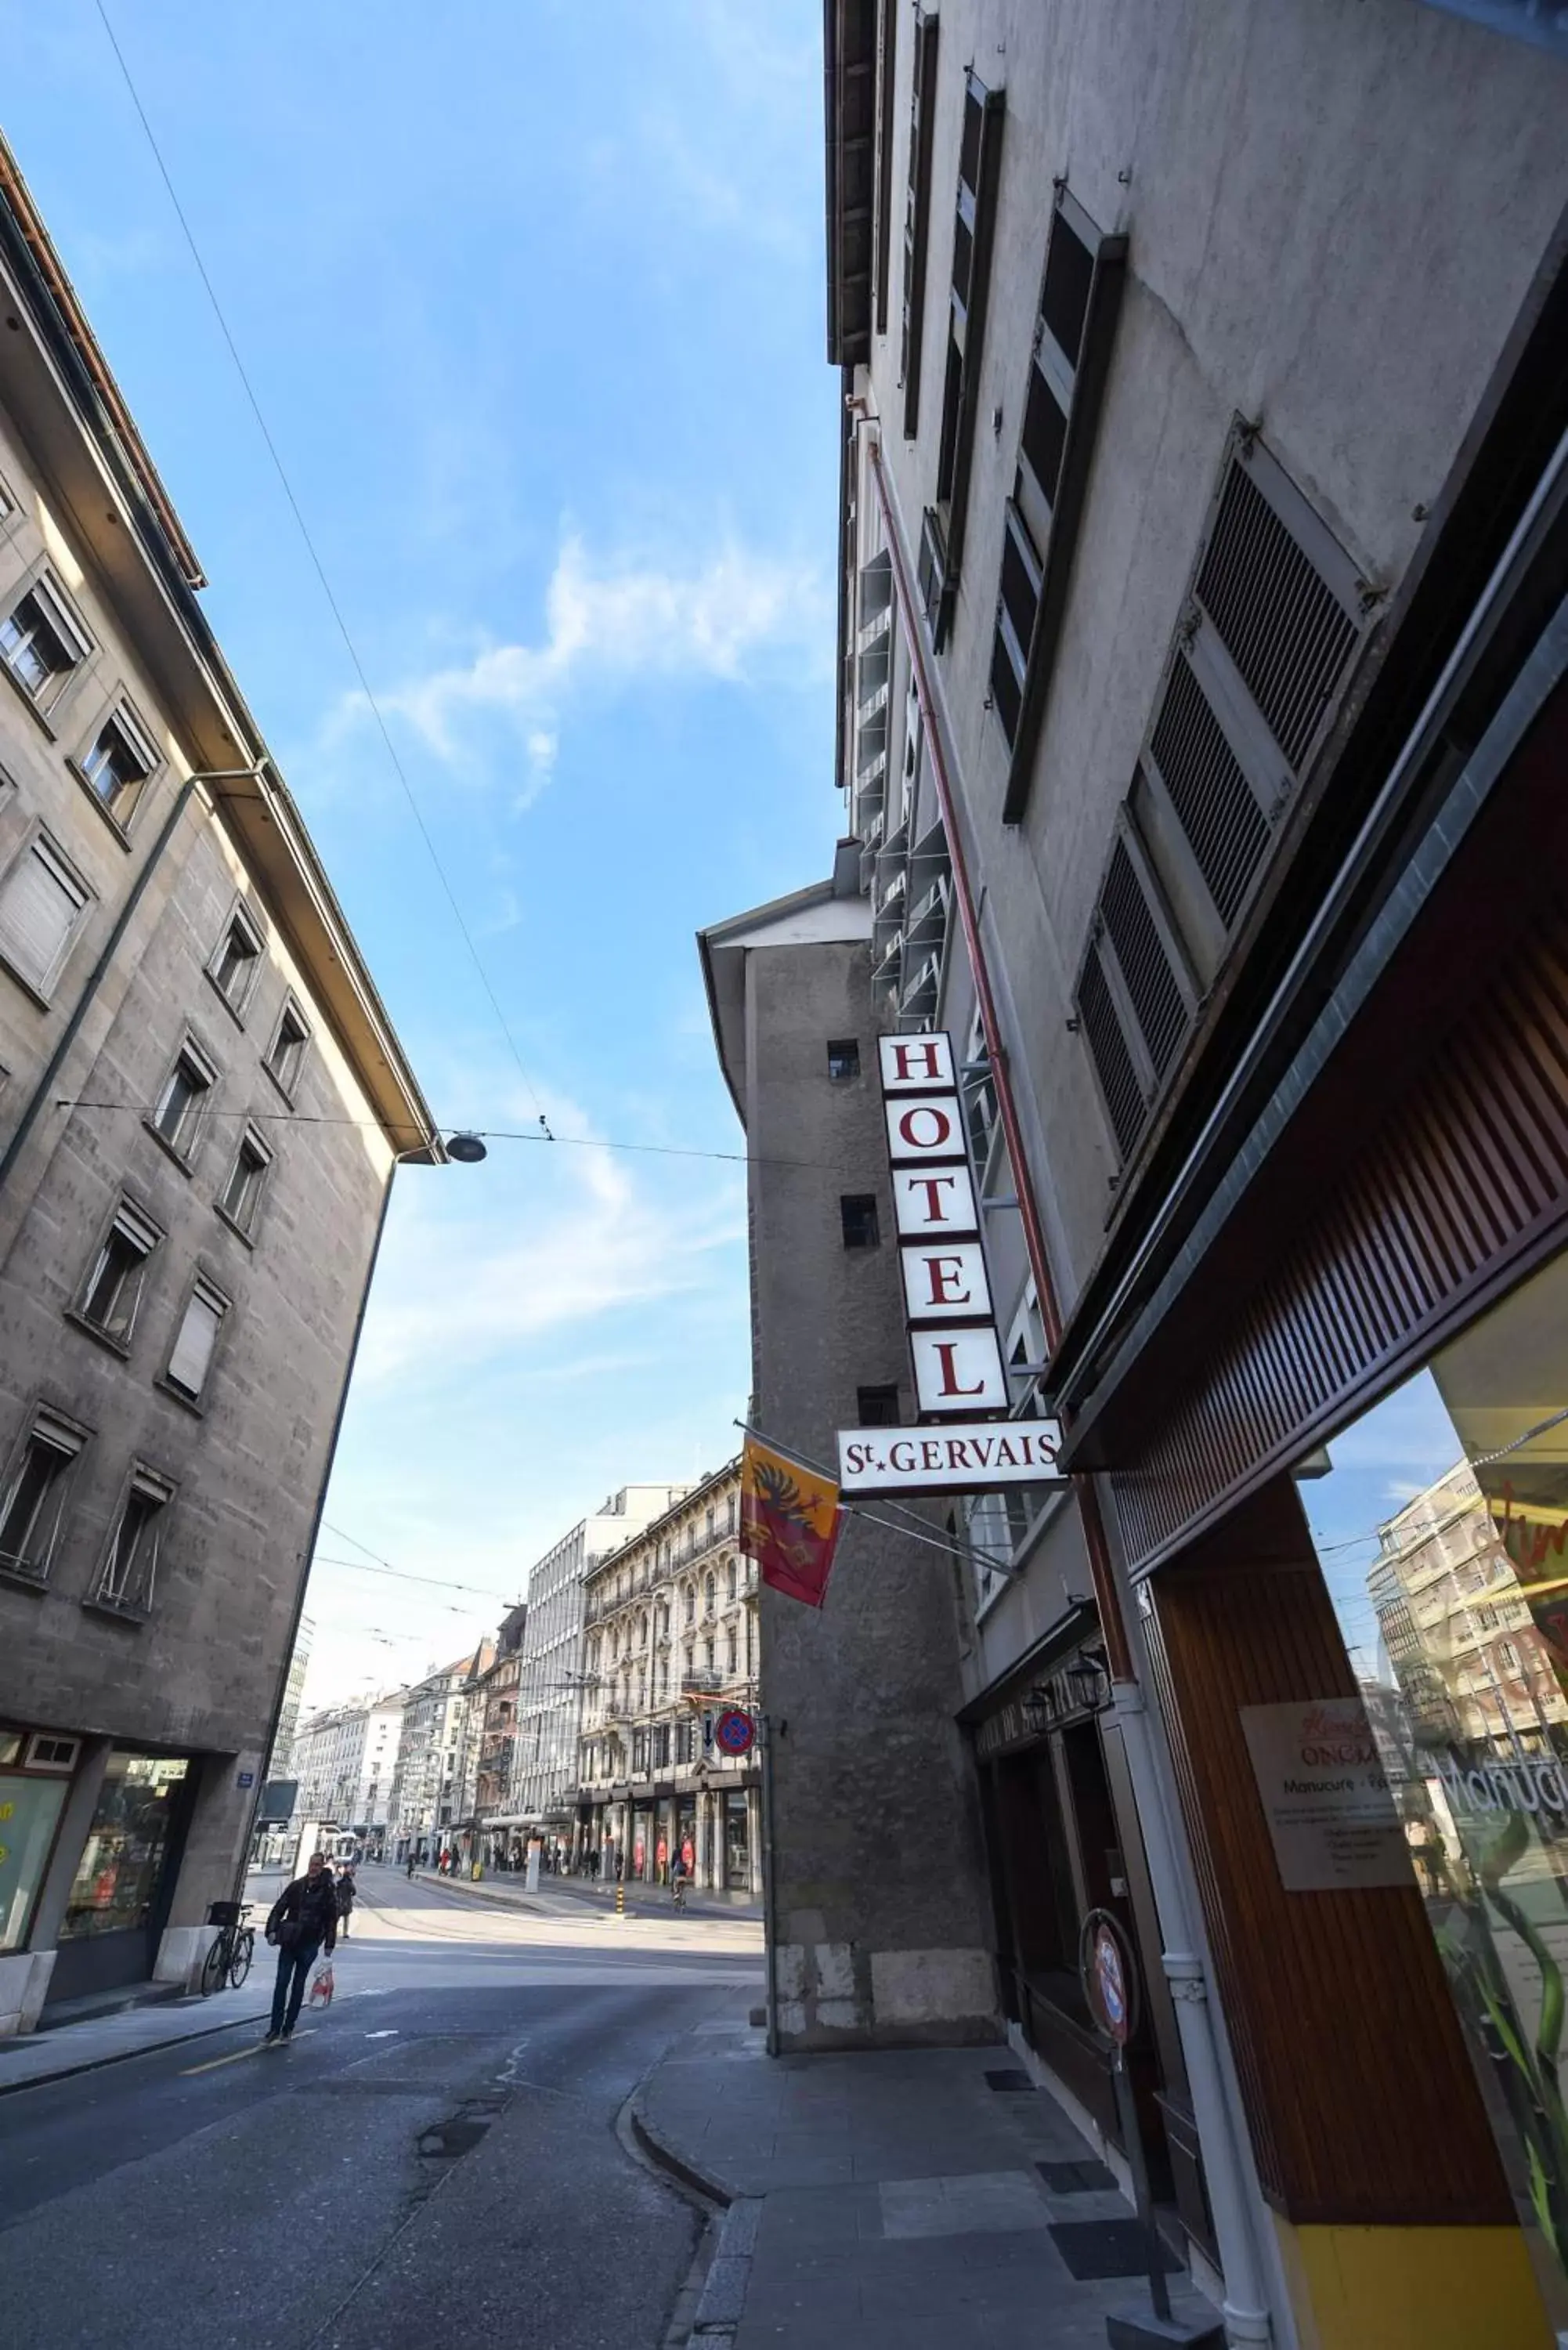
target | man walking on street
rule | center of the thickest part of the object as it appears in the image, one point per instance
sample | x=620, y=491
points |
x=303, y=1919
x=347, y=1892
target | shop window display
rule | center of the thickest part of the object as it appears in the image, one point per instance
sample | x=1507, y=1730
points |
x=1441, y=1520
x=30, y=1812
x=118, y=1875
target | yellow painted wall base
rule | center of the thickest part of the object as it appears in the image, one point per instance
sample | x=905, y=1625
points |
x=1412, y=2288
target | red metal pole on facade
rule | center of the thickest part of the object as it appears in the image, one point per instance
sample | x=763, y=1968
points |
x=1106, y=1597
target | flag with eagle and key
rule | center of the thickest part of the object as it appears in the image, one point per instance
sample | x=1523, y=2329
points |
x=789, y=1520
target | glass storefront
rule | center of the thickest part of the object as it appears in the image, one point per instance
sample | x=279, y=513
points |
x=118, y=1877
x=737, y=1845
x=30, y=1814
x=1441, y=1520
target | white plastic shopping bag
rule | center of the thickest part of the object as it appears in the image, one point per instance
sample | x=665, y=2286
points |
x=321, y=1985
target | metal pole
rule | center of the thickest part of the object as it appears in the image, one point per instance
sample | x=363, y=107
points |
x=769, y=1882
x=1132, y=2143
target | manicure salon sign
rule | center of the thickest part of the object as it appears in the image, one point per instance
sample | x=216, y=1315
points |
x=960, y=1383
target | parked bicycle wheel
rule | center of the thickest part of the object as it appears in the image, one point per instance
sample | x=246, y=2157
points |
x=214, y=1966
x=245, y=1952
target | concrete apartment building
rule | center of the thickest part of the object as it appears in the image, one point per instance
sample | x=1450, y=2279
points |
x=201, y=1108
x=438, y=1758
x=492, y=1722
x=670, y=1641
x=345, y=1761
x=280, y=1761
x=550, y=1680
x=1200, y=732
x=878, y=1912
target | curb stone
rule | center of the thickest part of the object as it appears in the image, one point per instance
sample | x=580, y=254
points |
x=684, y=2172
x=724, y=2300
x=124, y=2056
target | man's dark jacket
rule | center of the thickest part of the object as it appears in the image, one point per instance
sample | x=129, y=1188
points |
x=313, y=1904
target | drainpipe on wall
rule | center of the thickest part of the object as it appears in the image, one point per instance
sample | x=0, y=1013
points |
x=1227, y=2171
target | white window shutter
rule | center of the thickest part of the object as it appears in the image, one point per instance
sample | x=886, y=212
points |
x=38, y=909
x=193, y=1355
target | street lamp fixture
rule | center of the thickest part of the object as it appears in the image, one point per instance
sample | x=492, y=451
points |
x=468, y=1150
x=1089, y=1678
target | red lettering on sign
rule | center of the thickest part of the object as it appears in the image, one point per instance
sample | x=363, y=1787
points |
x=947, y=1348
x=945, y=1273
x=930, y=1185
x=939, y=1131
x=929, y=1057
x=958, y=1452
x=902, y=1457
x=930, y=1454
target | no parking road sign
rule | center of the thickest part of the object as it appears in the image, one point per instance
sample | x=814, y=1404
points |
x=734, y=1731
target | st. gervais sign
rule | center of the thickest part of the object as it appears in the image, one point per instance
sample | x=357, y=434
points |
x=950, y=1459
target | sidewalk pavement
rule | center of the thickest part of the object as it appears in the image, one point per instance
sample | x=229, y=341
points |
x=82, y=2047
x=927, y=2198
x=576, y=1893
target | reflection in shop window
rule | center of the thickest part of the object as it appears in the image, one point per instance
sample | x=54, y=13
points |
x=29, y=1809
x=118, y=1875
x=1441, y=1526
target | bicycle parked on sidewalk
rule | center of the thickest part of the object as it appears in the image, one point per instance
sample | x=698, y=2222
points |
x=229, y=1960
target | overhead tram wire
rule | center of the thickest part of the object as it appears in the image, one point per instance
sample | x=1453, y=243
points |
x=319, y=568
x=484, y=1133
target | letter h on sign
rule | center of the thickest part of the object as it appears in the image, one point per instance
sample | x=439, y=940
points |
x=914, y=1065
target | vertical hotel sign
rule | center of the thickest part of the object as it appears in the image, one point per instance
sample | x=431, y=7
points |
x=957, y=1356
x=947, y=1297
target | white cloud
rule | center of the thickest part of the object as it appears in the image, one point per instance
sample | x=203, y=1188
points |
x=452, y=1292
x=607, y=623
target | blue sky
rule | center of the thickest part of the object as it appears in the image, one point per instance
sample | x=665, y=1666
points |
x=530, y=293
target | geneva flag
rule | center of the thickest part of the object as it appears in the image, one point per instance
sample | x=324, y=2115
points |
x=789, y=1520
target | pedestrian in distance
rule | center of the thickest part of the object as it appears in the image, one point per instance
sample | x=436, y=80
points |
x=302, y=1922
x=679, y=1878
x=347, y=1894
x=413, y=1864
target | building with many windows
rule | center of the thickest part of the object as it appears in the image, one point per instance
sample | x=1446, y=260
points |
x=670, y=1641
x=550, y=1678
x=438, y=1758
x=201, y=1107
x=1203, y=706
x=493, y=1726
x=345, y=1760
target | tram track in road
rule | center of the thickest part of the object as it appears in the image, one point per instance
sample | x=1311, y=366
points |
x=407, y=1928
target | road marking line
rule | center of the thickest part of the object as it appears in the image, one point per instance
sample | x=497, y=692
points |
x=213, y=2063
x=241, y=2054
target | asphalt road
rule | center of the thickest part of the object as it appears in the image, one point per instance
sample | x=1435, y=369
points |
x=433, y=2162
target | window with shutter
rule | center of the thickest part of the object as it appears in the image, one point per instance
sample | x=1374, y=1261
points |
x=197, y=1337
x=975, y=219
x=34, y=1498
x=178, y=1117
x=1276, y=613
x=1080, y=296
x=112, y=1292
x=917, y=214
x=130, y=1563
x=285, y=1053
x=43, y=902
x=887, y=63
x=1135, y=997
x=41, y=642
x=118, y=765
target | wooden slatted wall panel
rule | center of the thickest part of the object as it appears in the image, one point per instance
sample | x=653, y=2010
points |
x=1362, y=2101
x=1466, y=1177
